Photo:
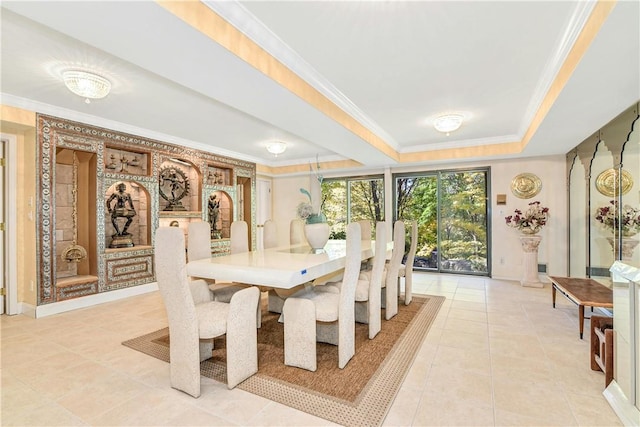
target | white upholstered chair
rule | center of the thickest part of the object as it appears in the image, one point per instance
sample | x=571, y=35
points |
x=278, y=296
x=329, y=317
x=390, y=277
x=269, y=234
x=296, y=232
x=406, y=270
x=365, y=227
x=195, y=319
x=199, y=247
x=369, y=287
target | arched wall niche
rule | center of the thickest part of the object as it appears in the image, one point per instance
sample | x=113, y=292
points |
x=106, y=158
x=604, y=170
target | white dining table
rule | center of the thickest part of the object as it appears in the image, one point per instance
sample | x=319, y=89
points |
x=282, y=267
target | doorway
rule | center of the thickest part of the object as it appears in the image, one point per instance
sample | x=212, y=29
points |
x=8, y=219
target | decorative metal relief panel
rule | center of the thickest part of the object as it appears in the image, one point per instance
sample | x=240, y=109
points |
x=125, y=267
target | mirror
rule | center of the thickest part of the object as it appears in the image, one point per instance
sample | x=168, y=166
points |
x=577, y=218
x=631, y=197
x=601, y=249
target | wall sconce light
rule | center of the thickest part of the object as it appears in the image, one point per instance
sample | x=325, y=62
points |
x=448, y=123
x=276, y=147
x=85, y=84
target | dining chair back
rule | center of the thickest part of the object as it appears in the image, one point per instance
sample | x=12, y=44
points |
x=391, y=280
x=194, y=319
x=239, y=237
x=406, y=269
x=296, y=232
x=199, y=240
x=365, y=227
x=269, y=234
x=375, y=282
x=324, y=316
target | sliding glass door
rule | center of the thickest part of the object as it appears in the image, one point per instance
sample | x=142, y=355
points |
x=451, y=210
x=352, y=199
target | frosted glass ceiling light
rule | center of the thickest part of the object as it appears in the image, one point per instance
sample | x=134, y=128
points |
x=85, y=84
x=276, y=147
x=448, y=123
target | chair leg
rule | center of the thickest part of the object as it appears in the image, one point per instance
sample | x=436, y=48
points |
x=375, y=324
x=408, y=288
x=346, y=336
x=391, y=305
x=185, y=361
x=242, y=336
x=300, y=333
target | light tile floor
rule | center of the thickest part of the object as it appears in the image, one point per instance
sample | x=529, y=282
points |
x=497, y=354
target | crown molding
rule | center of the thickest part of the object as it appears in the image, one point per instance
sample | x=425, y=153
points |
x=244, y=21
x=64, y=113
x=581, y=13
x=464, y=143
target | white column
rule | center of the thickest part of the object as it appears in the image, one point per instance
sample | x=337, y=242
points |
x=530, y=261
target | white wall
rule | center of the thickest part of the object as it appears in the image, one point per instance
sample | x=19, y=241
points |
x=504, y=240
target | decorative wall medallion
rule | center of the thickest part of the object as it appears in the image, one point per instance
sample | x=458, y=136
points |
x=607, y=182
x=525, y=185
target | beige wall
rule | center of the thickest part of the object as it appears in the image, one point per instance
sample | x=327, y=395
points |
x=506, y=250
x=21, y=124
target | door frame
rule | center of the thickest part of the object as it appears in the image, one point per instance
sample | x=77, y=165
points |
x=10, y=261
x=263, y=208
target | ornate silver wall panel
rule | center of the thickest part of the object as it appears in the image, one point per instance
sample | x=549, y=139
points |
x=115, y=268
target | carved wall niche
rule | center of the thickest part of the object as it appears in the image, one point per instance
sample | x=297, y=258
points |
x=139, y=227
x=137, y=163
x=179, y=186
x=595, y=246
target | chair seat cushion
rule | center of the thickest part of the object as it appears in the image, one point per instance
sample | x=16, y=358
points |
x=212, y=319
x=362, y=289
x=402, y=271
x=366, y=275
x=224, y=291
x=326, y=305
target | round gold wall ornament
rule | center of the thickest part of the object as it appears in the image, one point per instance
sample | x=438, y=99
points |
x=607, y=182
x=525, y=185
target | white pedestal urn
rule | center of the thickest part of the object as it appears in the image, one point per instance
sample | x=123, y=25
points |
x=628, y=246
x=317, y=235
x=530, y=245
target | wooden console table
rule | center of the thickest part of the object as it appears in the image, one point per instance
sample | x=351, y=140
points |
x=582, y=292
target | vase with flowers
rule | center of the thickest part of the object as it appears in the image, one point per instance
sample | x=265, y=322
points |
x=531, y=221
x=627, y=219
x=316, y=228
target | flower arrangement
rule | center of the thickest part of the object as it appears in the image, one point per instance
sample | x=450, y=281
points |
x=530, y=221
x=311, y=211
x=612, y=218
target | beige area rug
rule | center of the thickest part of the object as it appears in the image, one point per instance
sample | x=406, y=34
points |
x=359, y=394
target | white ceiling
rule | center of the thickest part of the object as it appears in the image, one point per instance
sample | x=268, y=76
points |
x=392, y=65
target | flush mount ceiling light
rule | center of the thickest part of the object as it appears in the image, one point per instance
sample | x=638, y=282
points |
x=85, y=84
x=448, y=123
x=276, y=147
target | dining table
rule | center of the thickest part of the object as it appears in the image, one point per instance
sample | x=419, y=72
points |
x=283, y=267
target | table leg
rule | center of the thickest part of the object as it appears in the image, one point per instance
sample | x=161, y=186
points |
x=581, y=318
x=553, y=294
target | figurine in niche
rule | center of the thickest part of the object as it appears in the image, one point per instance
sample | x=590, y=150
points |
x=172, y=180
x=121, y=208
x=214, y=213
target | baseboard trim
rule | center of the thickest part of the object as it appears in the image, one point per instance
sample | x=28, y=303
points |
x=91, y=300
x=628, y=414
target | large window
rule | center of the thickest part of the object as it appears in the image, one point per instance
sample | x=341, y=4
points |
x=451, y=210
x=352, y=199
